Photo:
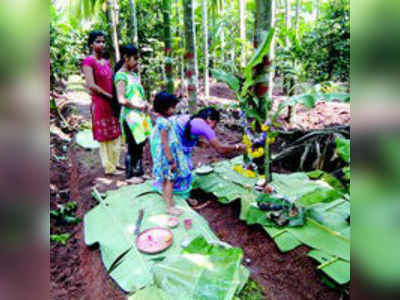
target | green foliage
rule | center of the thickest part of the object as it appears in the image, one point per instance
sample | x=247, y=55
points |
x=67, y=48
x=66, y=213
x=326, y=49
x=60, y=238
x=251, y=291
x=343, y=148
x=319, y=51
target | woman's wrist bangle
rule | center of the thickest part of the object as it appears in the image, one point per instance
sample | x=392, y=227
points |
x=236, y=146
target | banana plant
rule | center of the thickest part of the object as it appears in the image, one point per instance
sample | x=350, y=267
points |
x=258, y=119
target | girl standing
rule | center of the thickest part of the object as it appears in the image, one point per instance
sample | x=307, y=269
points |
x=170, y=167
x=135, y=120
x=105, y=125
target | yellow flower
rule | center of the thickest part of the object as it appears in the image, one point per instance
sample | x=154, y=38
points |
x=257, y=153
x=238, y=168
x=250, y=174
x=264, y=127
x=246, y=141
x=271, y=140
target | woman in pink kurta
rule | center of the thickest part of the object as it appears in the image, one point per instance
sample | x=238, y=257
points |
x=105, y=124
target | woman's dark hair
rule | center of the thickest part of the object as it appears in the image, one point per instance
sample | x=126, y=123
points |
x=94, y=35
x=163, y=101
x=126, y=51
x=209, y=113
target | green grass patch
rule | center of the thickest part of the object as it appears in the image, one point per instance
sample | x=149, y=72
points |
x=251, y=291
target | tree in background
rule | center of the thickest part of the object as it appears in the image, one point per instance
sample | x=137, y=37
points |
x=205, y=48
x=190, y=47
x=167, y=43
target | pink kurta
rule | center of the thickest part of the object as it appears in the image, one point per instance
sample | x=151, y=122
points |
x=106, y=126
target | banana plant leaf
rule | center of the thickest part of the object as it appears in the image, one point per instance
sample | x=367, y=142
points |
x=150, y=293
x=328, y=178
x=282, y=238
x=226, y=191
x=343, y=148
x=227, y=78
x=333, y=214
x=298, y=187
x=111, y=224
x=85, y=139
x=335, y=268
x=202, y=271
x=322, y=238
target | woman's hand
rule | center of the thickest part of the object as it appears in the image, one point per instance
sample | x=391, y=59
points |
x=108, y=96
x=242, y=147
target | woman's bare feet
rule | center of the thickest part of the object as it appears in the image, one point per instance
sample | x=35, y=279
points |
x=174, y=211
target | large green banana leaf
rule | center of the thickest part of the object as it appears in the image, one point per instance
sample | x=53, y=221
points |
x=337, y=269
x=203, y=271
x=111, y=224
x=326, y=228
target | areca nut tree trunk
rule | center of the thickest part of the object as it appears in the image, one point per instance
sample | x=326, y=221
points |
x=167, y=46
x=242, y=21
x=205, y=46
x=190, y=53
x=232, y=37
x=222, y=16
x=132, y=4
x=297, y=15
x=263, y=25
x=111, y=11
x=272, y=51
x=179, y=33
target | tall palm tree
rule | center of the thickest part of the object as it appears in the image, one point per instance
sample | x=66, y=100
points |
x=242, y=18
x=205, y=47
x=167, y=45
x=190, y=47
x=132, y=4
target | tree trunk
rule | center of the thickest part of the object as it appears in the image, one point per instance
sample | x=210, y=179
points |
x=111, y=10
x=181, y=65
x=190, y=53
x=272, y=51
x=134, y=22
x=297, y=15
x=222, y=16
x=287, y=20
x=167, y=46
x=205, y=45
x=316, y=10
x=263, y=25
x=242, y=16
x=232, y=37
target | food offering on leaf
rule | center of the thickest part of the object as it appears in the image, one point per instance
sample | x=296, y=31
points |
x=188, y=224
x=269, y=189
x=173, y=222
x=281, y=211
x=154, y=240
x=204, y=170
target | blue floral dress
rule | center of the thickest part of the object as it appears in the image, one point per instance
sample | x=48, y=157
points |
x=182, y=177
